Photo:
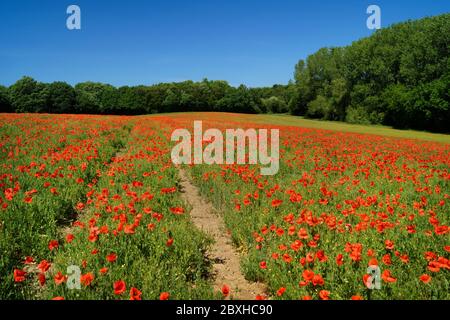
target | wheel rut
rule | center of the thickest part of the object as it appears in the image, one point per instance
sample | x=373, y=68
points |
x=225, y=258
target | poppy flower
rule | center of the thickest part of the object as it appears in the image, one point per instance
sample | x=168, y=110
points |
x=119, y=287
x=53, y=244
x=263, y=265
x=135, y=294
x=324, y=294
x=164, y=296
x=59, y=278
x=373, y=262
x=169, y=242
x=19, y=275
x=339, y=259
x=28, y=260
x=387, y=277
x=387, y=259
x=86, y=279
x=225, y=290
x=129, y=229
x=318, y=280
x=276, y=203
x=357, y=298
x=80, y=206
x=177, y=210
x=308, y=275
x=28, y=199
x=103, y=270
x=41, y=279
x=43, y=266
x=425, y=278
x=69, y=238
x=389, y=244
x=111, y=257
x=281, y=291
x=58, y=298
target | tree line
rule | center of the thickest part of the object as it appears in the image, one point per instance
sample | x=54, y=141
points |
x=29, y=95
x=399, y=76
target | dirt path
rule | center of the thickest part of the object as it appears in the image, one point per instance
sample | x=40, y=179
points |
x=226, y=263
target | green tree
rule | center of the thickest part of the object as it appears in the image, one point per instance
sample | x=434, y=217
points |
x=5, y=101
x=28, y=95
x=61, y=98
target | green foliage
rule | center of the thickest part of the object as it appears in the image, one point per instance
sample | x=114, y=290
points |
x=28, y=95
x=61, y=98
x=399, y=76
x=274, y=105
x=5, y=101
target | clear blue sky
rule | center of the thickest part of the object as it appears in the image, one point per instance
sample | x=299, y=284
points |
x=254, y=42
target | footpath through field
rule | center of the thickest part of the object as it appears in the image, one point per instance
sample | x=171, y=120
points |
x=226, y=261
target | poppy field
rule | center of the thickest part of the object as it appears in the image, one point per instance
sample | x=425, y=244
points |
x=101, y=193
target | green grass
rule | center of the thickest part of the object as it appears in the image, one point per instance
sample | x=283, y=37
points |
x=289, y=120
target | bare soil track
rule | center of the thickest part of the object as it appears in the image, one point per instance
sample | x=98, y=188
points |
x=226, y=266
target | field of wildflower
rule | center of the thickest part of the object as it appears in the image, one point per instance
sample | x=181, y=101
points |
x=101, y=193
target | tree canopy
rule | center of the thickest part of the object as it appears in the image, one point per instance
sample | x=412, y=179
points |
x=399, y=76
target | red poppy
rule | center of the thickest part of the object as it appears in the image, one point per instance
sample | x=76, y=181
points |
x=318, y=280
x=425, y=278
x=119, y=287
x=59, y=278
x=339, y=259
x=80, y=206
x=164, y=296
x=308, y=275
x=281, y=291
x=373, y=262
x=387, y=277
x=41, y=279
x=58, y=298
x=135, y=294
x=389, y=244
x=69, y=238
x=177, y=210
x=111, y=257
x=44, y=265
x=225, y=290
x=53, y=244
x=19, y=275
x=276, y=202
x=28, y=260
x=86, y=279
x=169, y=242
x=324, y=294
